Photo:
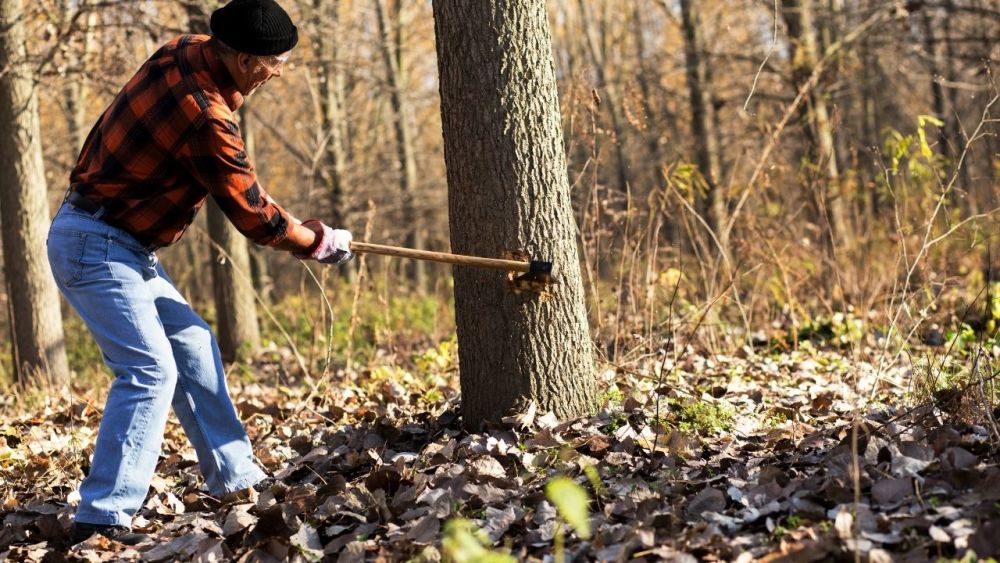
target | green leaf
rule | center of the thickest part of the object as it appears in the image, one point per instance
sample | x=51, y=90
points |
x=922, y=121
x=571, y=501
x=463, y=542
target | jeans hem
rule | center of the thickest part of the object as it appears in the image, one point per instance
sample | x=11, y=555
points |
x=101, y=519
x=244, y=482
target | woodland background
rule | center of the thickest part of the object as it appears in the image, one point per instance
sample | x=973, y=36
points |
x=788, y=164
x=777, y=203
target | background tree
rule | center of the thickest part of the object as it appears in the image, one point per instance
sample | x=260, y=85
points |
x=330, y=76
x=390, y=26
x=508, y=190
x=39, y=350
x=703, y=133
x=874, y=88
x=235, y=306
x=800, y=17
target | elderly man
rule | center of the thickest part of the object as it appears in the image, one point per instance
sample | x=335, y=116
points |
x=167, y=142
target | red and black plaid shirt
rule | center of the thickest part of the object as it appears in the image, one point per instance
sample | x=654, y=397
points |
x=168, y=141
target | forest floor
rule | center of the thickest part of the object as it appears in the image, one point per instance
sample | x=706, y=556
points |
x=794, y=456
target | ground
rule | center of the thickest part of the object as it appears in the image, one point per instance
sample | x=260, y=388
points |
x=691, y=457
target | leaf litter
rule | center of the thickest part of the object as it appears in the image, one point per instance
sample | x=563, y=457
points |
x=731, y=458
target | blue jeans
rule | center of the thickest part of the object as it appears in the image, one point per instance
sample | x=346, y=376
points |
x=162, y=354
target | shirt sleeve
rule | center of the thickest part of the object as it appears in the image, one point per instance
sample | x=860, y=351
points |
x=216, y=158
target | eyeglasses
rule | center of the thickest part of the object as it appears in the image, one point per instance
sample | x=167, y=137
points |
x=274, y=63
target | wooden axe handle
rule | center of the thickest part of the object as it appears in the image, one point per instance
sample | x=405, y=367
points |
x=496, y=263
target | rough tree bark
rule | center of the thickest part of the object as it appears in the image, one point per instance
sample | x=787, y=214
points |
x=35, y=318
x=508, y=190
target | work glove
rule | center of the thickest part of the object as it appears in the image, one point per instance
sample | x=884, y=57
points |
x=334, y=245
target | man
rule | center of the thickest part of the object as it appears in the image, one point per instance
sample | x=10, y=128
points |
x=167, y=142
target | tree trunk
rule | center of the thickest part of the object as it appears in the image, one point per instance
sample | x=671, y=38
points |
x=392, y=54
x=608, y=90
x=952, y=128
x=868, y=97
x=260, y=272
x=700, y=98
x=331, y=97
x=508, y=190
x=798, y=16
x=35, y=318
x=235, y=309
x=75, y=89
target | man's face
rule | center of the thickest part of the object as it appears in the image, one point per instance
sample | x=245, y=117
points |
x=256, y=70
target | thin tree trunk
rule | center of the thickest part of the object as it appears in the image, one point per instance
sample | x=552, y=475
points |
x=235, y=307
x=331, y=97
x=75, y=90
x=799, y=17
x=702, y=129
x=653, y=130
x=35, y=317
x=609, y=91
x=260, y=273
x=951, y=129
x=508, y=190
x=870, y=126
x=935, y=67
x=392, y=54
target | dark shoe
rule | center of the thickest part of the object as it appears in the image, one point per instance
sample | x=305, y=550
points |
x=249, y=494
x=264, y=484
x=82, y=531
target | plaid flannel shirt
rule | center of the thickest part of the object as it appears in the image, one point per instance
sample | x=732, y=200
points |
x=168, y=141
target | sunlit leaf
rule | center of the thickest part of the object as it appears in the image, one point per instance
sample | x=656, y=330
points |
x=571, y=501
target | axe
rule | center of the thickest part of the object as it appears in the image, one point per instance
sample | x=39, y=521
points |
x=535, y=275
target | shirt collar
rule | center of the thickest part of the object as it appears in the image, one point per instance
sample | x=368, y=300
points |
x=222, y=77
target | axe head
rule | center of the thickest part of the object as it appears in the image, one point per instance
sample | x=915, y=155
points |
x=538, y=279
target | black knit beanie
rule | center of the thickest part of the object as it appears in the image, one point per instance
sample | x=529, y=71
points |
x=256, y=27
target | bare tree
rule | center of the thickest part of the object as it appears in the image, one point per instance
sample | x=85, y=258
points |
x=326, y=21
x=594, y=34
x=235, y=308
x=35, y=316
x=700, y=100
x=508, y=190
x=76, y=93
x=799, y=17
x=260, y=271
x=392, y=53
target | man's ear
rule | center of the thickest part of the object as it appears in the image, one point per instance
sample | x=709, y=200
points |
x=244, y=62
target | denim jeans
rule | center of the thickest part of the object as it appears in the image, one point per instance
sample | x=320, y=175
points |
x=162, y=354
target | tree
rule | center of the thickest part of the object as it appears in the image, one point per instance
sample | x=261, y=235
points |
x=326, y=21
x=596, y=43
x=260, y=270
x=235, y=308
x=508, y=190
x=800, y=19
x=35, y=317
x=75, y=90
x=392, y=54
x=700, y=101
